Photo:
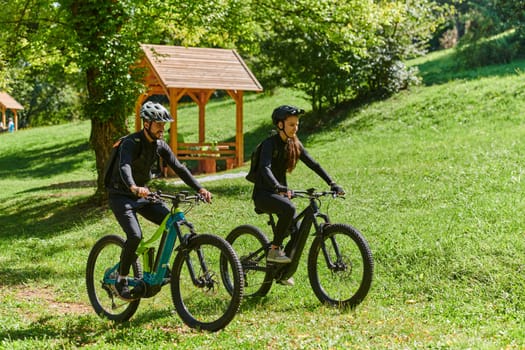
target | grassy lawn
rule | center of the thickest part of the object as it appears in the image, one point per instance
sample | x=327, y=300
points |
x=434, y=182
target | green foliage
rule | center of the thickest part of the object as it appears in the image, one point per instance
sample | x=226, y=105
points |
x=476, y=21
x=216, y=23
x=38, y=71
x=513, y=14
x=48, y=100
x=316, y=46
x=337, y=53
x=479, y=53
x=332, y=52
x=106, y=46
x=4, y=82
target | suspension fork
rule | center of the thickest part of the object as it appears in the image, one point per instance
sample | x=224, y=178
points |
x=184, y=240
x=324, y=248
x=197, y=281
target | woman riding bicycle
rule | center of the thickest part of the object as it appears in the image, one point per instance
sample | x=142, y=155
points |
x=279, y=155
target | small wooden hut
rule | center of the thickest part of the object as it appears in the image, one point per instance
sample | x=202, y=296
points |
x=9, y=103
x=175, y=72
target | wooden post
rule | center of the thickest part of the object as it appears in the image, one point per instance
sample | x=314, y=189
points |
x=237, y=96
x=138, y=105
x=202, y=117
x=173, y=125
x=239, y=136
x=3, y=117
x=174, y=96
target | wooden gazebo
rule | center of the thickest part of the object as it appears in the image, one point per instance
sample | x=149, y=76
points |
x=9, y=103
x=176, y=71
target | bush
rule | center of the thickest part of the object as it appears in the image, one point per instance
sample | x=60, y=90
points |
x=481, y=53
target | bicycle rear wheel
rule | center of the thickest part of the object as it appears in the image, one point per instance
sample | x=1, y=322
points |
x=104, y=255
x=251, y=244
x=340, y=266
x=200, y=298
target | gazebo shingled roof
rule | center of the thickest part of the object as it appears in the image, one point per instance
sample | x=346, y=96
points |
x=177, y=71
x=8, y=102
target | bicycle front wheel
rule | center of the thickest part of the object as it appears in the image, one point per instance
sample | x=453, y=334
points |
x=104, y=255
x=340, y=266
x=199, y=295
x=251, y=246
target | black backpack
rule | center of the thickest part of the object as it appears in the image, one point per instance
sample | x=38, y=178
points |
x=111, y=160
x=254, y=165
x=108, y=171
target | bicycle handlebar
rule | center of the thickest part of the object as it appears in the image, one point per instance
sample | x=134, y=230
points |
x=312, y=193
x=180, y=197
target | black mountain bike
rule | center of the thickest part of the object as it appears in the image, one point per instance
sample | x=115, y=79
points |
x=197, y=290
x=340, y=264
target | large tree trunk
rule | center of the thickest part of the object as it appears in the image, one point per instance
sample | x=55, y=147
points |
x=105, y=130
x=103, y=136
x=106, y=55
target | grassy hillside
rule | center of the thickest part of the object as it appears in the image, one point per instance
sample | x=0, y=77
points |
x=434, y=181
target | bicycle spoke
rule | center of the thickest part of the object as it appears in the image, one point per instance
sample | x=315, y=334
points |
x=199, y=294
x=340, y=267
x=103, y=296
x=249, y=243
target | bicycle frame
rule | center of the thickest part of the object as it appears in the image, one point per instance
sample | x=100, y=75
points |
x=154, y=268
x=339, y=264
x=196, y=279
x=294, y=248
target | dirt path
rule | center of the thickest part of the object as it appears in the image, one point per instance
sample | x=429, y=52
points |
x=46, y=298
x=209, y=178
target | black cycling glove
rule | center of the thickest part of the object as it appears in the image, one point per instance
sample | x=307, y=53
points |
x=281, y=189
x=336, y=188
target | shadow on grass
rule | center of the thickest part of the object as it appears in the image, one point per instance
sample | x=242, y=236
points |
x=13, y=275
x=66, y=331
x=82, y=330
x=445, y=69
x=44, y=162
x=64, y=186
x=44, y=215
x=147, y=316
x=27, y=224
x=89, y=330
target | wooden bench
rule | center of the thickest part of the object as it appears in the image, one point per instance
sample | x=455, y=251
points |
x=207, y=153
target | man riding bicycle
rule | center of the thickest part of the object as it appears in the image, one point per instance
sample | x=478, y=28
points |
x=127, y=179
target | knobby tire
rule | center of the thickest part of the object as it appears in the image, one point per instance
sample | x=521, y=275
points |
x=207, y=305
x=104, y=255
x=250, y=243
x=348, y=283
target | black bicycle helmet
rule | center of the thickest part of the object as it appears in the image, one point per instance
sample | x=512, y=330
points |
x=155, y=112
x=282, y=112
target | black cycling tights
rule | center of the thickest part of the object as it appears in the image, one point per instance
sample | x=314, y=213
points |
x=125, y=209
x=280, y=205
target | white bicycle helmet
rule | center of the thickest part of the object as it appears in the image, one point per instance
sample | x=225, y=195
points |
x=155, y=112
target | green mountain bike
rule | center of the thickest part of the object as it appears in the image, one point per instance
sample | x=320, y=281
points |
x=197, y=290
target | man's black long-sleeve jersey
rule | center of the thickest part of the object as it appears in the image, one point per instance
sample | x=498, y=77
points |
x=135, y=158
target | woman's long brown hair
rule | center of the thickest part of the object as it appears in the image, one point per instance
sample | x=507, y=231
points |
x=293, y=152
